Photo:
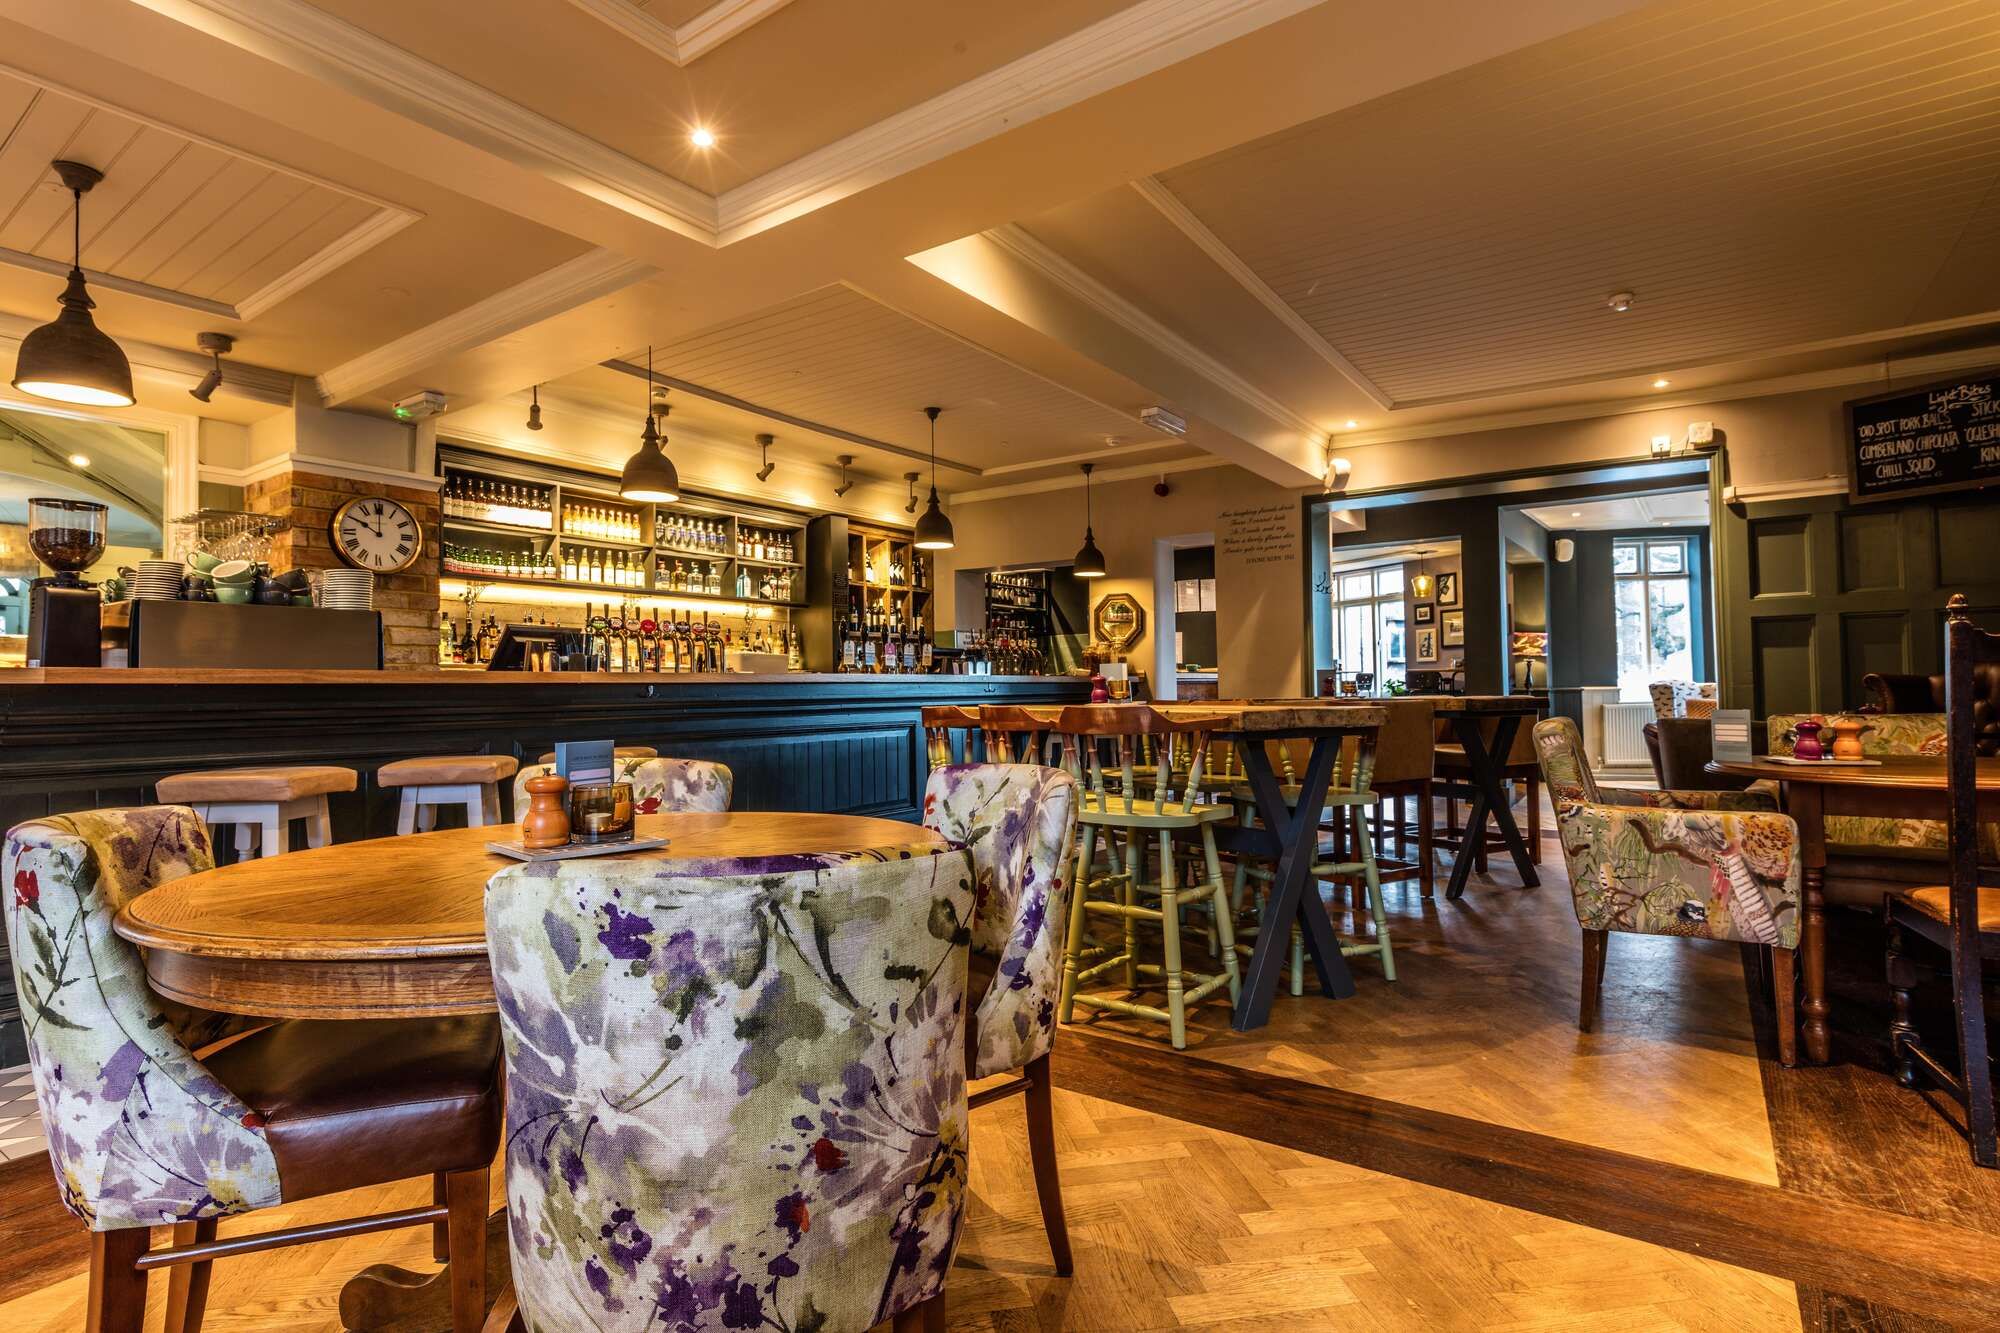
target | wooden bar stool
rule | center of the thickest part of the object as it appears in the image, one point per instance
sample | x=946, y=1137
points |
x=1105, y=811
x=260, y=802
x=948, y=733
x=621, y=752
x=470, y=781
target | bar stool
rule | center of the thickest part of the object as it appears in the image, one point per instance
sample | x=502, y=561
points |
x=943, y=744
x=621, y=752
x=1138, y=818
x=470, y=781
x=260, y=802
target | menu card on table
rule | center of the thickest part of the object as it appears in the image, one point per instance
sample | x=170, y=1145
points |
x=1729, y=735
x=585, y=763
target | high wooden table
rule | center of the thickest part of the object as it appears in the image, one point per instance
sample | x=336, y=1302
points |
x=1900, y=787
x=1287, y=833
x=395, y=928
x=1486, y=759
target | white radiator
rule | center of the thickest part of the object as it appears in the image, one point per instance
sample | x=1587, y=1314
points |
x=1625, y=735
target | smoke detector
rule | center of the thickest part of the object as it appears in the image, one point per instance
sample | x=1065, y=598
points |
x=1620, y=301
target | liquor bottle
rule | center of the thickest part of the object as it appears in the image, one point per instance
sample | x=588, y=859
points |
x=927, y=656
x=445, y=643
x=871, y=660
x=909, y=649
x=847, y=654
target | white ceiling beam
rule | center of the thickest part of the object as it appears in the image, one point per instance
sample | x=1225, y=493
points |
x=688, y=42
x=1170, y=207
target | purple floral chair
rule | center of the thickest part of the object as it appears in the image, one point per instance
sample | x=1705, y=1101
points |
x=1019, y=823
x=735, y=1100
x=659, y=786
x=142, y=1133
x=1712, y=865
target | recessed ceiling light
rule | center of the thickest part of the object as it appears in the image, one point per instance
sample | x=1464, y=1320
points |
x=79, y=460
x=702, y=137
x=1576, y=513
x=1620, y=301
x=1660, y=383
x=1352, y=423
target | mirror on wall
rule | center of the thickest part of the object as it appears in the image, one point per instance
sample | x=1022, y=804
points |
x=121, y=467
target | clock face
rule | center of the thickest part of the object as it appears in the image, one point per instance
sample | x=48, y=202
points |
x=378, y=534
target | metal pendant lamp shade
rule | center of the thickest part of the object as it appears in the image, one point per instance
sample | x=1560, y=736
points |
x=649, y=474
x=1089, y=562
x=70, y=359
x=934, y=529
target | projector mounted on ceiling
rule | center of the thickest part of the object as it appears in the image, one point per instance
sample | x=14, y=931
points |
x=1163, y=421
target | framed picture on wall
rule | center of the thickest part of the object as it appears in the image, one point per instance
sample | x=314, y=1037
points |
x=1425, y=613
x=1447, y=589
x=1427, y=647
x=1454, y=628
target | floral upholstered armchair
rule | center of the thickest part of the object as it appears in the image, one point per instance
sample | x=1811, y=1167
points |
x=1715, y=865
x=140, y=1133
x=734, y=1100
x=659, y=786
x=1018, y=822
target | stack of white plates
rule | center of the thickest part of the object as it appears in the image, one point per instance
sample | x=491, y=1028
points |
x=347, y=590
x=157, y=580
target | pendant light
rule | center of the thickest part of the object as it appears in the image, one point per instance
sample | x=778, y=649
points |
x=70, y=359
x=1089, y=562
x=649, y=474
x=934, y=529
x=535, y=408
x=1423, y=585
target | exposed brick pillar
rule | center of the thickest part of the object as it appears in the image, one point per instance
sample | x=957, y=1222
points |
x=408, y=601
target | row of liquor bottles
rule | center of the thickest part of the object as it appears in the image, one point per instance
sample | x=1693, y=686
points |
x=707, y=536
x=625, y=640
x=518, y=504
x=767, y=585
x=609, y=569
x=880, y=641
x=498, y=502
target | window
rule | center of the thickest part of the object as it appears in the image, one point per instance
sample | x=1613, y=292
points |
x=1652, y=597
x=1368, y=622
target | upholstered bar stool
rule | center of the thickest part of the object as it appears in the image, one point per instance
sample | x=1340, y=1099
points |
x=260, y=802
x=470, y=781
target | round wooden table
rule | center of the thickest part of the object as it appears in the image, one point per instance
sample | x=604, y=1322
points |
x=1895, y=786
x=395, y=928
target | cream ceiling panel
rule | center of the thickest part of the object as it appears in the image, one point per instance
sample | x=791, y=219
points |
x=837, y=357
x=1762, y=175
x=185, y=217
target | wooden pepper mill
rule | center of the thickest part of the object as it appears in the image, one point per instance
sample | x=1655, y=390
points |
x=546, y=824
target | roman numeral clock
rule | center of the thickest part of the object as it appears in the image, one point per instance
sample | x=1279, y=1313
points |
x=377, y=534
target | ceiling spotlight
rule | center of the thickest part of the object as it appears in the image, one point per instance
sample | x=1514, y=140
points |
x=1620, y=301
x=79, y=461
x=764, y=472
x=846, y=484
x=215, y=344
x=933, y=528
x=69, y=358
x=1576, y=513
x=1660, y=383
x=701, y=137
x=1352, y=423
x=535, y=408
x=911, y=477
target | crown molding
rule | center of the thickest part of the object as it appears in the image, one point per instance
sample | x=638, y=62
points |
x=689, y=41
x=1101, y=476
x=279, y=464
x=1170, y=207
x=1017, y=242
x=357, y=242
x=590, y=275
x=111, y=282
x=1765, y=492
x=313, y=42
x=1136, y=41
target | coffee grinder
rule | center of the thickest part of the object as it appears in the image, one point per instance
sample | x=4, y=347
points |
x=65, y=614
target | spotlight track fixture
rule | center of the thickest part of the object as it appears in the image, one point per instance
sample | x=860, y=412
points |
x=764, y=472
x=846, y=483
x=215, y=344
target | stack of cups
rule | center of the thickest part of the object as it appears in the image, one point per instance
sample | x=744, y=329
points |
x=158, y=580
x=347, y=590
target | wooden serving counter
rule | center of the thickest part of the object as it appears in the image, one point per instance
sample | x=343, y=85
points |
x=79, y=739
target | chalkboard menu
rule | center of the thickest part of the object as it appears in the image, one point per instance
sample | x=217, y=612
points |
x=1939, y=437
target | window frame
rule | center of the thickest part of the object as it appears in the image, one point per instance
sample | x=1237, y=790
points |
x=1645, y=576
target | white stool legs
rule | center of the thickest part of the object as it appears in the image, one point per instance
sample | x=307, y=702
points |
x=416, y=811
x=265, y=827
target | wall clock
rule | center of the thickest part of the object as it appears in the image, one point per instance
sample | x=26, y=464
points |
x=375, y=533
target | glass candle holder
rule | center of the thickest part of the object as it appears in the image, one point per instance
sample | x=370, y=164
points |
x=602, y=812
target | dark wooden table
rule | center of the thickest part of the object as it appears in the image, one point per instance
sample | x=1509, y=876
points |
x=1486, y=760
x=1899, y=787
x=1287, y=832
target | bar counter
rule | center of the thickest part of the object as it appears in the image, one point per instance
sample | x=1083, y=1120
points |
x=82, y=739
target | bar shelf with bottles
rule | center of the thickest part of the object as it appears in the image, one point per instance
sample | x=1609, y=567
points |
x=1018, y=624
x=627, y=639
x=886, y=628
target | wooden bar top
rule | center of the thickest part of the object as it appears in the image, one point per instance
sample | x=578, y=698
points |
x=467, y=676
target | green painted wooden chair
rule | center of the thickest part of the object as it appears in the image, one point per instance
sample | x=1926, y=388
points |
x=1113, y=805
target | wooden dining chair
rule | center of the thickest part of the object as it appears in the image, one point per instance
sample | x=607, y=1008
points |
x=949, y=730
x=145, y=1132
x=1112, y=805
x=1019, y=823
x=659, y=786
x=1959, y=916
x=734, y=1100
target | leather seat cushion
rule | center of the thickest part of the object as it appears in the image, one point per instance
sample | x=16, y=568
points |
x=253, y=784
x=1934, y=901
x=348, y=1103
x=441, y=770
x=622, y=752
